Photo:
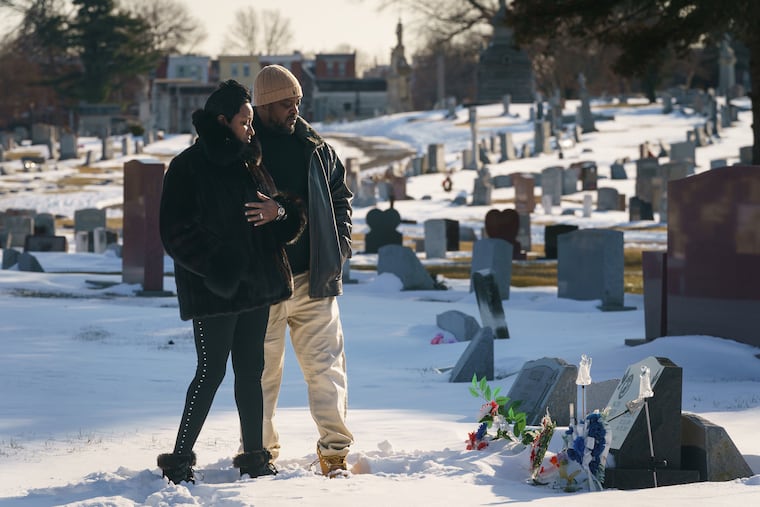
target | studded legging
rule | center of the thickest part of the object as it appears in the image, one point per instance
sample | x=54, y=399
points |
x=215, y=338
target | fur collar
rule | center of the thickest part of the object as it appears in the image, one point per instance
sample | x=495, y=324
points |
x=219, y=144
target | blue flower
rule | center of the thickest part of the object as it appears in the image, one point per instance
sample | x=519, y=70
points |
x=481, y=431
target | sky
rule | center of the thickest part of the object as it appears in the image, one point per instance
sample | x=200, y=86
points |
x=318, y=26
x=93, y=377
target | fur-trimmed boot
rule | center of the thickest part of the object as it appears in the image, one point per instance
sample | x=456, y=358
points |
x=255, y=463
x=177, y=467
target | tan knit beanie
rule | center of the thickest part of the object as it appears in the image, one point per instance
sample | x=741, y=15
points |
x=273, y=83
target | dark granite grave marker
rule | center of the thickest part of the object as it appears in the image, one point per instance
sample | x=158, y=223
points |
x=142, y=251
x=630, y=436
x=382, y=225
x=548, y=382
x=639, y=209
x=10, y=257
x=551, y=232
x=713, y=261
x=37, y=243
x=477, y=358
x=28, y=262
x=489, y=303
x=44, y=224
x=607, y=199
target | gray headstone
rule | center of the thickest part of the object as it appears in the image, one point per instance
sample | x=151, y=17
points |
x=607, y=199
x=542, y=133
x=489, y=303
x=10, y=257
x=482, y=188
x=617, y=171
x=551, y=183
x=590, y=266
x=18, y=228
x=599, y=394
x=502, y=181
x=745, y=155
x=646, y=170
x=28, y=262
x=44, y=224
x=461, y=325
x=436, y=158
x=548, y=382
x=477, y=358
x=569, y=181
x=494, y=255
x=708, y=448
x=88, y=219
x=107, y=148
x=402, y=262
x=507, y=147
x=69, y=148
x=683, y=152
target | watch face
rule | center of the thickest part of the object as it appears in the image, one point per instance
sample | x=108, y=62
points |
x=280, y=211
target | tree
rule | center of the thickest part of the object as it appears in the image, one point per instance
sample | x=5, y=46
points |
x=647, y=31
x=242, y=36
x=252, y=32
x=172, y=29
x=276, y=31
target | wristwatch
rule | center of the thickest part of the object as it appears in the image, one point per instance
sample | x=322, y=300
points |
x=281, y=215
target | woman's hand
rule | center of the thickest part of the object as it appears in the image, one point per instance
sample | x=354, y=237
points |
x=260, y=213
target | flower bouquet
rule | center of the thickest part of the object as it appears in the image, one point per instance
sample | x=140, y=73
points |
x=498, y=412
x=539, y=445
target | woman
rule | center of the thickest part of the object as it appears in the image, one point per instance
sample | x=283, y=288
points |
x=225, y=226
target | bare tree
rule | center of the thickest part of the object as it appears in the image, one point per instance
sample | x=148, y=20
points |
x=276, y=31
x=172, y=28
x=242, y=37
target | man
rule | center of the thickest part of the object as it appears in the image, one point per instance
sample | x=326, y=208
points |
x=303, y=165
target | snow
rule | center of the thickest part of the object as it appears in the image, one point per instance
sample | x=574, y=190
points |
x=93, y=376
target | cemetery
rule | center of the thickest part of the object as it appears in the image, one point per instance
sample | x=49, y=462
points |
x=588, y=267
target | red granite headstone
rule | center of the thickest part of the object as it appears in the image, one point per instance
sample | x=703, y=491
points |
x=713, y=260
x=142, y=251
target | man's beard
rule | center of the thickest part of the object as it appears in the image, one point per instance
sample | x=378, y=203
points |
x=283, y=127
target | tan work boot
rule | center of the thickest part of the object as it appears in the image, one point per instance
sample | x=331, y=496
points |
x=332, y=466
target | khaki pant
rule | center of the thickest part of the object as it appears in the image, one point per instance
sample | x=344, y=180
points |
x=317, y=338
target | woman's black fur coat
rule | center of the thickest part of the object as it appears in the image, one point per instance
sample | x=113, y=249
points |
x=222, y=263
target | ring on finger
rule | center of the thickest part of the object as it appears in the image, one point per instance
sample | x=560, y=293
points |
x=261, y=216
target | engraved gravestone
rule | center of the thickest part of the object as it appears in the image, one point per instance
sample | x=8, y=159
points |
x=546, y=383
x=590, y=265
x=629, y=428
x=495, y=255
x=489, y=303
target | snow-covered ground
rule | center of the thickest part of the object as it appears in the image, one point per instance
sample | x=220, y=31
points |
x=92, y=377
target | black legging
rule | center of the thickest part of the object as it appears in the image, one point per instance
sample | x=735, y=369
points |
x=215, y=337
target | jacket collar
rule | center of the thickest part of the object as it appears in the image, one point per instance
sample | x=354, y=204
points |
x=219, y=144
